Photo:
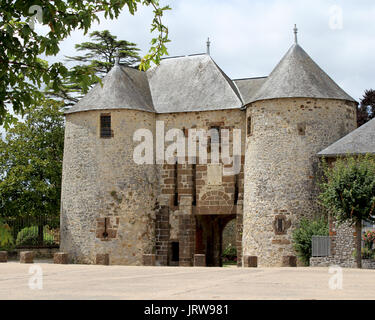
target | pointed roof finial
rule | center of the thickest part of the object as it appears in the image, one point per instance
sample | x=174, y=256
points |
x=117, y=59
x=208, y=46
x=295, y=34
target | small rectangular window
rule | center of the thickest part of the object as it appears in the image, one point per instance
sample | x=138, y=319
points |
x=105, y=126
x=249, y=128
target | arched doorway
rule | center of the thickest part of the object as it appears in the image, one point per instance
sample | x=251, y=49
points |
x=209, y=237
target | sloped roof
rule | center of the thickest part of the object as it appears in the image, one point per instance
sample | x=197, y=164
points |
x=359, y=141
x=298, y=76
x=123, y=88
x=191, y=83
x=249, y=87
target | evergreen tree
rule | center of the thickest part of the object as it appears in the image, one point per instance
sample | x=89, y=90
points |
x=101, y=54
x=366, y=109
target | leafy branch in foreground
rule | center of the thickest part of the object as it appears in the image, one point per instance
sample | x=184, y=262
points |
x=23, y=73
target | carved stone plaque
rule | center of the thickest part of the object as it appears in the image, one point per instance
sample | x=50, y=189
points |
x=214, y=174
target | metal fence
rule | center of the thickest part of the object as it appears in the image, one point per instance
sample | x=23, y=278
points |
x=35, y=232
x=321, y=246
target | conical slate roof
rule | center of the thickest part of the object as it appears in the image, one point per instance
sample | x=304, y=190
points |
x=192, y=83
x=122, y=88
x=359, y=141
x=298, y=76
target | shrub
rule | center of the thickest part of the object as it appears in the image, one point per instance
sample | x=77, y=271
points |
x=6, y=238
x=229, y=253
x=302, y=237
x=366, y=253
x=369, y=238
x=29, y=236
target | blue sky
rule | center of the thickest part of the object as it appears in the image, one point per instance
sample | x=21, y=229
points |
x=250, y=37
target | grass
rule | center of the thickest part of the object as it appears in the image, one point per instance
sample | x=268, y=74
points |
x=229, y=263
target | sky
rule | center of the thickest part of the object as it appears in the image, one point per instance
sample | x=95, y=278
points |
x=248, y=38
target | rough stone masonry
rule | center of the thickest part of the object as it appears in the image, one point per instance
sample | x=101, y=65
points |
x=173, y=212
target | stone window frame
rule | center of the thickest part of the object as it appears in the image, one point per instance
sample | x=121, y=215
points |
x=101, y=135
x=106, y=228
x=301, y=128
x=285, y=225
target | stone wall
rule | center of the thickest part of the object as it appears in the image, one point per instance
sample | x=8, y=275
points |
x=281, y=166
x=191, y=181
x=342, y=238
x=108, y=201
x=344, y=263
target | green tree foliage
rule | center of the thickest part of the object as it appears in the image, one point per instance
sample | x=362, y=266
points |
x=348, y=192
x=23, y=73
x=31, y=163
x=6, y=238
x=103, y=50
x=366, y=109
x=98, y=60
x=302, y=236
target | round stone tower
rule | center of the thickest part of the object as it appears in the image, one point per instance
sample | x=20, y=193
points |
x=296, y=113
x=108, y=200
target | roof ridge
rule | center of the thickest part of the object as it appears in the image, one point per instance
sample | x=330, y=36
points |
x=250, y=78
x=230, y=82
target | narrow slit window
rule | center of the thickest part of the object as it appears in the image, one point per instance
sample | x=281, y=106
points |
x=176, y=184
x=280, y=225
x=105, y=126
x=249, y=126
x=236, y=191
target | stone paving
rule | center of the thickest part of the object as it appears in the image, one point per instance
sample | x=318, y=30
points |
x=175, y=283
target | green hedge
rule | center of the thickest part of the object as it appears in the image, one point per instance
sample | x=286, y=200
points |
x=29, y=237
x=302, y=236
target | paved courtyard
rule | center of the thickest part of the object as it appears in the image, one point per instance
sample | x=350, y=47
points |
x=169, y=283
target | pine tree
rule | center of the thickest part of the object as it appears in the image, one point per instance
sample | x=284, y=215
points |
x=100, y=57
x=366, y=109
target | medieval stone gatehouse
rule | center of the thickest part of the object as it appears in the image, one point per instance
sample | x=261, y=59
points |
x=177, y=211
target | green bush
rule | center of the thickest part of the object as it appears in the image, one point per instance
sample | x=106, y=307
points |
x=229, y=253
x=302, y=237
x=366, y=253
x=6, y=238
x=29, y=236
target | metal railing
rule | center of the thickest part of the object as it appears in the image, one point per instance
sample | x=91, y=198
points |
x=321, y=246
x=34, y=232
